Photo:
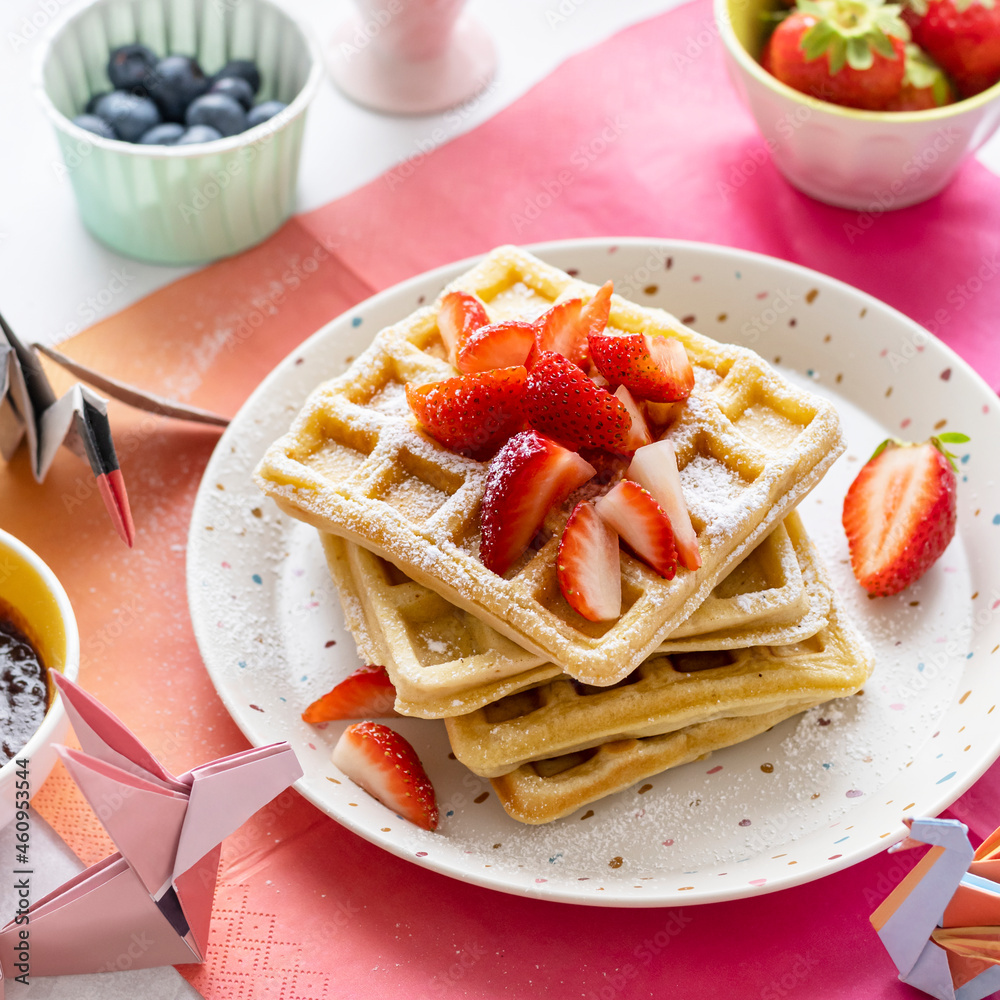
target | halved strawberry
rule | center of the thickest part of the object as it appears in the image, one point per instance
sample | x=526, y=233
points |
x=654, y=368
x=899, y=513
x=641, y=522
x=527, y=477
x=560, y=330
x=565, y=327
x=458, y=316
x=560, y=401
x=498, y=345
x=587, y=566
x=367, y=692
x=639, y=433
x=471, y=414
x=385, y=765
x=655, y=469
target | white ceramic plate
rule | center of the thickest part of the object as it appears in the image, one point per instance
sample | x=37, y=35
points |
x=815, y=794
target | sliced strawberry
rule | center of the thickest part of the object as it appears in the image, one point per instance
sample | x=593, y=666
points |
x=899, y=514
x=560, y=401
x=594, y=315
x=561, y=330
x=529, y=475
x=498, y=345
x=655, y=469
x=471, y=414
x=654, y=368
x=641, y=522
x=385, y=765
x=587, y=565
x=565, y=328
x=367, y=692
x=458, y=316
x=638, y=435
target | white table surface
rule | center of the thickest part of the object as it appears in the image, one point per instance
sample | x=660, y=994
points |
x=55, y=280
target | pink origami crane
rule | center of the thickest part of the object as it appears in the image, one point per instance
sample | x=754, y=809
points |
x=941, y=924
x=150, y=902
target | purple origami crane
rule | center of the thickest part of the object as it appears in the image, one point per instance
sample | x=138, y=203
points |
x=152, y=899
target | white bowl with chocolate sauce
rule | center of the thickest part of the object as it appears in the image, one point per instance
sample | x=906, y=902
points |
x=38, y=635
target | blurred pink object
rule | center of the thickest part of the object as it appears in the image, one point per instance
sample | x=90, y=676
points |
x=411, y=57
x=150, y=903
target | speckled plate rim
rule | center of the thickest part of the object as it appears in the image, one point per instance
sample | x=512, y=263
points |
x=345, y=332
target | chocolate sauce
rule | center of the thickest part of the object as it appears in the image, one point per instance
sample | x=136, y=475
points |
x=24, y=690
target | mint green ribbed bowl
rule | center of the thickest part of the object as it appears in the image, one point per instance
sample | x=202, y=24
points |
x=188, y=204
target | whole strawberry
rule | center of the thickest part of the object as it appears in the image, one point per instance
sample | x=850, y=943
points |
x=925, y=84
x=848, y=52
x=963, y=36
x=899, y=513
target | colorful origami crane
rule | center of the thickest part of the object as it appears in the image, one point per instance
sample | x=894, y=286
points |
x=78, y=420
x=150, y=902
x=941, y=924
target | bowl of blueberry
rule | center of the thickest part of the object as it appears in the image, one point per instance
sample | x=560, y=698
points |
x=180, y=122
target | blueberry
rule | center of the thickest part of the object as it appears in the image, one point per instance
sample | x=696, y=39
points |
x=198, y=134
x=219, y=111
x=175, y=83
x=166, y=134
x=245, y=69
x=129, y=66
x=264, y=111
x=235, y=87
x=127, y=114
x=91, y=106
x=96, y=125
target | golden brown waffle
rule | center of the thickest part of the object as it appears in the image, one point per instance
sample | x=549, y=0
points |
x=716, y=706
x=444, y=661
x=551, y=789
x=749, y=446
x=667, y=692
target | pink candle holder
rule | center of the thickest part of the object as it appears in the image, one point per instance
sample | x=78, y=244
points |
x=411, y=57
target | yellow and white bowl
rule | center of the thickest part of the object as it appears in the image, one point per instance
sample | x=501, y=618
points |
x=182, y=204
x=864, y=160
x=35, y=599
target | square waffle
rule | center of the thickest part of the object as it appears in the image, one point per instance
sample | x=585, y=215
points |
x=666, y=693
x=764, y=686
x=749, y=446
x=444, y=661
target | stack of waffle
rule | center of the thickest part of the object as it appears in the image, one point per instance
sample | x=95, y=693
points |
x=556, y=710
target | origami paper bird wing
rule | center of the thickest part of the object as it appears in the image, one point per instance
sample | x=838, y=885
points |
x=143, y=818
x=227, y=792
x=104, y=736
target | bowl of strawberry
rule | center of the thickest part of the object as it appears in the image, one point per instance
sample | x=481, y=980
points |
x=180, y=122
x=862, y=104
